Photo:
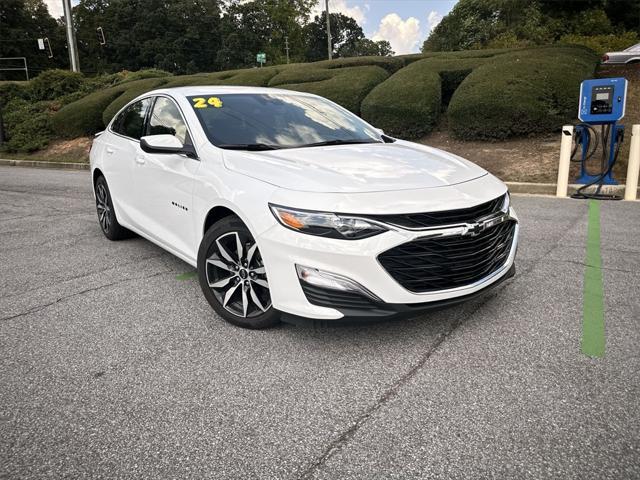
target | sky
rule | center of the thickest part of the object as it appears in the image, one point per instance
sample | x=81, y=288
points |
x=404, y=23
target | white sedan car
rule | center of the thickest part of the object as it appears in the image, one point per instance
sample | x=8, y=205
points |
x=628, y=55
x=291, y=207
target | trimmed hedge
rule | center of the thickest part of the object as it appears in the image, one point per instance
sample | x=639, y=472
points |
x=486, y=93
x=409, y=103
x=345, y=86
x=527, y=92
x=391, y=64
x=134, y=89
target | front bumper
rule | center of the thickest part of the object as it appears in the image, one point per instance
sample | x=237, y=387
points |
x=283, y=249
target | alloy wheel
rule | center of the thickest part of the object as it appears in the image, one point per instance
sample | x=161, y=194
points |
x=236, y=275
x=102, y=204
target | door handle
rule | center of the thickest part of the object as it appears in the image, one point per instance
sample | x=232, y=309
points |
x=140, y=160
x=110, y=150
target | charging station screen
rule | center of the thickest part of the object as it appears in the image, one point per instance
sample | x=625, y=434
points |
x=601, y=103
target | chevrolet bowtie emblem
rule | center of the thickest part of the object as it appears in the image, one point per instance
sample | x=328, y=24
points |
x=475, y=229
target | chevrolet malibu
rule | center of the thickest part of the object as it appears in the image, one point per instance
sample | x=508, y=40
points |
x=291, y=207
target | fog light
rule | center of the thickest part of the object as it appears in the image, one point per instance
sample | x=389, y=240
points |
x=332, y=281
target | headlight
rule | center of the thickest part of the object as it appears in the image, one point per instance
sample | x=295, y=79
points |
x=506, y=203
x=328, y=225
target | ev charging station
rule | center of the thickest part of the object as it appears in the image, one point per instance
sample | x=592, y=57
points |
x=602, y=102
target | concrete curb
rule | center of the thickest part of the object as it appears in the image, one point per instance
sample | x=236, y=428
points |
x=42, y=164
x=550, y=189
x=525, y=188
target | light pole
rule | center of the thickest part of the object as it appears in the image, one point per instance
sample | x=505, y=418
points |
x=329, y=49
x=71, y=37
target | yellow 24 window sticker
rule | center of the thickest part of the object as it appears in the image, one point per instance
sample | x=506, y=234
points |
x=200, y=102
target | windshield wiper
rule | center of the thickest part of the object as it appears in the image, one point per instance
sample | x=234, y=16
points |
x=255, y=147
x=337, y=142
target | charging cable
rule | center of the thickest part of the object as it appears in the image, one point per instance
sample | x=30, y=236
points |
x=605, y=169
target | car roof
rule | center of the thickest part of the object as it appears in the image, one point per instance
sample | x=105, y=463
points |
x=222, y=89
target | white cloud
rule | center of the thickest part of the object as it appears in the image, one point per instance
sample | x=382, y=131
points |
x=433, y=19
x=403, y=35
x=340, y=6
x=55, y=8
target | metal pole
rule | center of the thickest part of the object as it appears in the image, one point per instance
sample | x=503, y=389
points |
x=71, y=37
x=286, y=47
x=329, y=49
x=565, y=161
x=631, y=188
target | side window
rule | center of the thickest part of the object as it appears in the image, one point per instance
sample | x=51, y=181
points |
x=166, y=119
x=131, y=121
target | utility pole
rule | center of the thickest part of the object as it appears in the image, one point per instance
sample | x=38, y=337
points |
x=330, y=50
x=71, y=37
x=286, y=46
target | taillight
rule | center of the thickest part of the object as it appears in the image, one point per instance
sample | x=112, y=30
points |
x=605, y=58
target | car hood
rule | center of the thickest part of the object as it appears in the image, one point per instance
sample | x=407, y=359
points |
x=372, y=167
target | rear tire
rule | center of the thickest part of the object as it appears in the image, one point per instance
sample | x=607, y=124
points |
x=106, y=213
x=232, y=275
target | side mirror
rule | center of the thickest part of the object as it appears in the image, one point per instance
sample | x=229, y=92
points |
x=166, y=144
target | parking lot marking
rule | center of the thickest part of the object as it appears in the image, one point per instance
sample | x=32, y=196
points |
x=187, y=275
x=593, y=335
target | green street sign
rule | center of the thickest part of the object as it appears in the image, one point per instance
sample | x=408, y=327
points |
x=261, y=58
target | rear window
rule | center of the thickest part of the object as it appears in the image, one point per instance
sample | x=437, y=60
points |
x=131, y=121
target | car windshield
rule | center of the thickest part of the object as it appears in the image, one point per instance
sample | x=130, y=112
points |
x=275, y=120
x=632, y=48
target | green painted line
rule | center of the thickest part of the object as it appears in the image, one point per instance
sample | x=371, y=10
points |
x=187, y=275
x=593, y=335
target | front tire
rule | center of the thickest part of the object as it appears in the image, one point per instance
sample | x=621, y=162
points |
x=232, y=275
x=106, y=213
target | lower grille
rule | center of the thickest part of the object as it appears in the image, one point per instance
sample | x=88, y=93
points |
x=336, y=299
x=441, y=263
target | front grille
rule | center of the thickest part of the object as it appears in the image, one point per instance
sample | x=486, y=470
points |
x=437, y=219
x=440, y=263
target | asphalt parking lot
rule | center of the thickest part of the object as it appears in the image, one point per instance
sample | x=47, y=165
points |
x=112, y=364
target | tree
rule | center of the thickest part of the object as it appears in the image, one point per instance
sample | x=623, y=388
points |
x=22, y=22
x=179, y=36
x=491, y=23
x=345, y=34
x=261, y=26
x=366, y=47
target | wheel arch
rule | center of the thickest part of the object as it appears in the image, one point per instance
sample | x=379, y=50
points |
x=216, y=214
x=96, y=173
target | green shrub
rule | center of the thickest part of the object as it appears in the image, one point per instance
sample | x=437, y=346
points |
x=391, y=64
x=255, y=77
x=301, y=75
x=346, y=86
x=126, y=76
x=27, y=124
x=603, y=43
x=526, y=92
x=84, y=117
x=133, y=89
x=10, y=91
x=409, y=103
x=52, y=84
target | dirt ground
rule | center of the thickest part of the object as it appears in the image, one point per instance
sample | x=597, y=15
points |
x=535, y=159
x=74, y=151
